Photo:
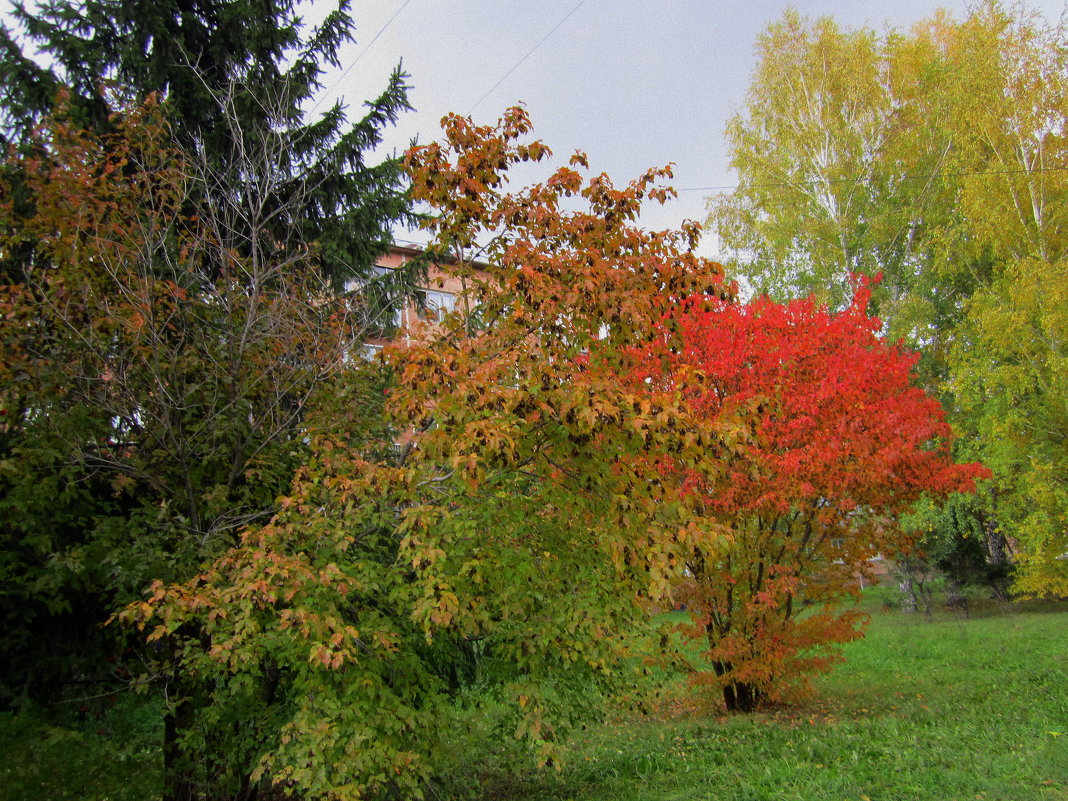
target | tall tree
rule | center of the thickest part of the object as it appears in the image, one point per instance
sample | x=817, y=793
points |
x=167, y=371
x=168, y=391
x=274, y=189
x=1009, y=363
x=1008, y=353
x=954, y=135
x=807, y=154
x=522, y=516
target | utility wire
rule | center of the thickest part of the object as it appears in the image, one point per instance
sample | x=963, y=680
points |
x=730, y=187
x=356, y=60
x=524, y=58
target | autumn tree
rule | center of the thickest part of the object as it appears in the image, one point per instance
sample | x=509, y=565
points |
x=841, y=443
x=1008, y=352
x=1009, y=364
x=519, y=515
x=848, y=153
x=806, y=149
x=152, y=451
x=158, y=367
x=936, y=157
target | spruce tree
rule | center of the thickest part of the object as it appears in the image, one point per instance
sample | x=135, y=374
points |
x=255, y=59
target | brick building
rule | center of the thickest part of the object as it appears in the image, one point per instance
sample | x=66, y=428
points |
x=441, y=292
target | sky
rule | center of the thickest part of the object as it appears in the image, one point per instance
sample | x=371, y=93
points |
x=633, y=83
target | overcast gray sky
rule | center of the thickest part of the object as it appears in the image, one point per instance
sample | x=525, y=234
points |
x=634, y=83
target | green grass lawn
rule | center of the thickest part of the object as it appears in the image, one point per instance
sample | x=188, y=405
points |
x=927, y=710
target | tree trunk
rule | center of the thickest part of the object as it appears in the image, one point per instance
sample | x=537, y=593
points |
x=178, y=782
x=955, y=598
x=997, y=556
x=908, y=594
x=741, y=697
x=926, y=595
x=737, y=696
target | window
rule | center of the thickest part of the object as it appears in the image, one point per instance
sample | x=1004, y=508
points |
x=438, y=305
x=369, y=352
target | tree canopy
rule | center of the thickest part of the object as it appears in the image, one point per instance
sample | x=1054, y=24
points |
x=519, y=521
x=936, y=157
x=217, y=61
x=175, y=234
x=842, y=443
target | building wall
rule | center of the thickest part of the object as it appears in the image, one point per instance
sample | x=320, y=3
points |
x=442, y=291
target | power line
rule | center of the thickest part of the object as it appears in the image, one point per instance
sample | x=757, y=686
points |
x=524, y=58
x=965, y=174
x=356, y=60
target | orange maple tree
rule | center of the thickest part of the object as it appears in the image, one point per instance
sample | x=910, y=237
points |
x=512, y=533
x=841, y=442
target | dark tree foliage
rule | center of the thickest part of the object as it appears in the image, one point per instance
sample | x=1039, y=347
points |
x=95, y=503
x=964, y=542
